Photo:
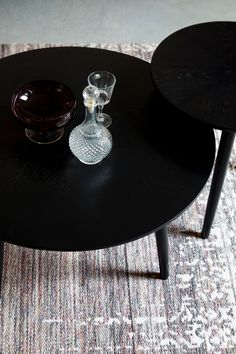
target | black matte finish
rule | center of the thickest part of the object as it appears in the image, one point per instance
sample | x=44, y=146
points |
x=1, y=263
x=162, y=247
x=225, y=147
x=195, y=69
x=157, y=167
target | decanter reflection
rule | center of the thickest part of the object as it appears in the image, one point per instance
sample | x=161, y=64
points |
x=90, y=141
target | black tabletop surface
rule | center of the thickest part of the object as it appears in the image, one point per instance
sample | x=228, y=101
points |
x=195, y=69
x=158, y=165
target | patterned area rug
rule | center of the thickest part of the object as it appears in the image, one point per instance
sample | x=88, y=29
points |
x=110, y=301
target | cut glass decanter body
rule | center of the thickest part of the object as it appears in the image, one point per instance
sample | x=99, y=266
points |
x=90, y=141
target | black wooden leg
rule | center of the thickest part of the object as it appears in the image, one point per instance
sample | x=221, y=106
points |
x=162, y=247
x=223, y=155
x=1, y=262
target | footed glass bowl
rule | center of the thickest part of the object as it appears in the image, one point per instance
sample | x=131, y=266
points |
x=43, y=107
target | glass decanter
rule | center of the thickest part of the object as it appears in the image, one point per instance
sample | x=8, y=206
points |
x=90, y=141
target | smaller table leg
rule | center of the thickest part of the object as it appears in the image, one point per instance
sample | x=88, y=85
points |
x=162, y=247
x=1, y=262
x=223, y=155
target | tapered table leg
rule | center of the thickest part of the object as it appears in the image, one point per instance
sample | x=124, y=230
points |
x=162, y=247
x=223, y=155
x=1, y=263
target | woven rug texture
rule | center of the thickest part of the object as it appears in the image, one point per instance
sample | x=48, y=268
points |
x=110, y=301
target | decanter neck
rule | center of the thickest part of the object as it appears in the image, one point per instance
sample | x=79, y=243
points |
x=90, y=114
x=90, y=127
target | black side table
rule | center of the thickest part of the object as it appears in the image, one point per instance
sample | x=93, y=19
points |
x=195, y=69
x=51, y=201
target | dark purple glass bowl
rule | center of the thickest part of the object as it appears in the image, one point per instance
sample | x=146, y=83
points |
x=43, y=107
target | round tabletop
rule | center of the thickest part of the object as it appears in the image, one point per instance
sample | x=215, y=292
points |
x=159, y=162
x=195, y=69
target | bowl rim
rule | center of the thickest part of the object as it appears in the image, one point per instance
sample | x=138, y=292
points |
x=16, y=92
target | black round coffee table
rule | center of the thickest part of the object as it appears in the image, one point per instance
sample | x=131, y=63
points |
x=195, y=69
x=50, y=200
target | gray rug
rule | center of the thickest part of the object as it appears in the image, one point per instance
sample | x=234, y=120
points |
x=109, y=301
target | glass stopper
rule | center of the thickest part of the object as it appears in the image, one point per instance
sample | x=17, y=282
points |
x=91, y=92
